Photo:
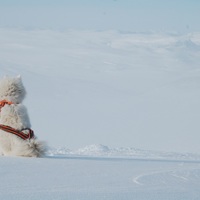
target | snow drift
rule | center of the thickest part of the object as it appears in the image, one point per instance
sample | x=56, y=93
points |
x=102, y=151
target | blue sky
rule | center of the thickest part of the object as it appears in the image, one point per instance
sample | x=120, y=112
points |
x=126, y=15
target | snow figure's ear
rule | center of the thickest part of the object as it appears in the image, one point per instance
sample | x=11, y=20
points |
x=19, y=76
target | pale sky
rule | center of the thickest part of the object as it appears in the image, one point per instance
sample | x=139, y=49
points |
x=124, y=15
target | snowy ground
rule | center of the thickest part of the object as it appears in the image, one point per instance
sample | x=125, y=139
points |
x=98, y=172
x=95, y=178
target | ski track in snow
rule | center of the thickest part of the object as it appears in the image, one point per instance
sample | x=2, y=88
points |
x=140, y=179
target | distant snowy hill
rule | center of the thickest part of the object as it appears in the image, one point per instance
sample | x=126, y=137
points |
x=98, y=150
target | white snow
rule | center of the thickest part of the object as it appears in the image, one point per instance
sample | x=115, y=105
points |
x=89, y=178
x=132, y=90
x=102, y=151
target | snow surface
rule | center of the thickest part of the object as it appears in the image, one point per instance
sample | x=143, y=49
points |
x=89, y=178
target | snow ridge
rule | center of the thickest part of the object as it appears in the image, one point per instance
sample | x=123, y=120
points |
x=99, y=150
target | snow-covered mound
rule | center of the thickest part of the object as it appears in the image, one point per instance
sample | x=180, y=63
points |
x=95, y=149
x=99, y=150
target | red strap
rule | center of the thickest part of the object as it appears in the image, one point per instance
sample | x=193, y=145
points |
x=4, y=102
x=12, y=130
x=18, y=133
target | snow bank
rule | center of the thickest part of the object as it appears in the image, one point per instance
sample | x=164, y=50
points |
x=99, y=150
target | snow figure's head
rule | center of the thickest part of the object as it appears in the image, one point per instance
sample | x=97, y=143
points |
x=12, y=89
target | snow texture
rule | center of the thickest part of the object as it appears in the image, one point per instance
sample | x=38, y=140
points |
x=89, y=178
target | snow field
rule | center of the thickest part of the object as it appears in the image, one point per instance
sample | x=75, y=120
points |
x=98, y=178
x=136, y=90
